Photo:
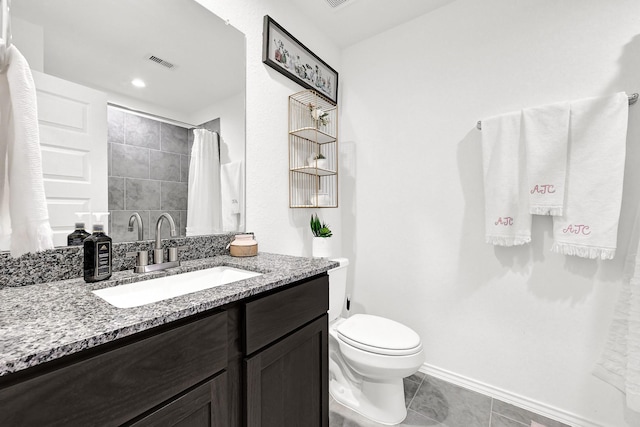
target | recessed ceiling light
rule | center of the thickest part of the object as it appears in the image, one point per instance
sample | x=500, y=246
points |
x=138, y=83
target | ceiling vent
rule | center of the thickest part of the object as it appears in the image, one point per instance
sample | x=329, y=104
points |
x=161, y=61
x=336, y=3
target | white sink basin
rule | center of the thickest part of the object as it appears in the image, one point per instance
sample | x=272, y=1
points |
x=154, y=290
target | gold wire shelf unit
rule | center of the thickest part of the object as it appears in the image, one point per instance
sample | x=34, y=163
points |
x=313, y=151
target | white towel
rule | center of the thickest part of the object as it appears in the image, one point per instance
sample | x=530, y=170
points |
x=231, y=193
x=545, y=131
x=595, y=171
x=507, y=217
x=23, y=207
x=619, y=364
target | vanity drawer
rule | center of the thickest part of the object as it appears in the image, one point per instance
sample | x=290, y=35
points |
x=273, y=316
x=115, y=386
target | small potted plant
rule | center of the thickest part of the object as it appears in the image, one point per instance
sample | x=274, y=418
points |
x=321, y=232
x=318, y=161
x=319, y=116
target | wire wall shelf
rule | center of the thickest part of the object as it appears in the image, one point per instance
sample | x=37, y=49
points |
x=313, y=151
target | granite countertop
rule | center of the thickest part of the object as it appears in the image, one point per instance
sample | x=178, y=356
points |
x=43, y=322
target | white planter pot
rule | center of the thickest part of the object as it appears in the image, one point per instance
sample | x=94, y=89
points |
x=321, y=247
x=318, y=163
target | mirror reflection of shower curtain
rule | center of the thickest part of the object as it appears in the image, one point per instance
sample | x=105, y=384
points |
x=204, y=213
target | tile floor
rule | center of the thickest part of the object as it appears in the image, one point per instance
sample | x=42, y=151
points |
x=437, y=403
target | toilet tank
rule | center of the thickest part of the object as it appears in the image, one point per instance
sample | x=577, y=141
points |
x=337, y=288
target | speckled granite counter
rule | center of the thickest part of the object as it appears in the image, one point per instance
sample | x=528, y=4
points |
x=43, y=322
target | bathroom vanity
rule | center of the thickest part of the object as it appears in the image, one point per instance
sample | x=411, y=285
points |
x=252, y=353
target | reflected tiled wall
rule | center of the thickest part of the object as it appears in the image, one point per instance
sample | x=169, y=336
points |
x=148, y=173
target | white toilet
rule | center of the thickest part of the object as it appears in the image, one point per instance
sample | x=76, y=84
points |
x=368, y=357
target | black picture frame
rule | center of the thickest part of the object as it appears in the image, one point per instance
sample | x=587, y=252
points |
x=285, y=54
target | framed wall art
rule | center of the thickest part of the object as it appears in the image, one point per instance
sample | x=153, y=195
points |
x=284, y=53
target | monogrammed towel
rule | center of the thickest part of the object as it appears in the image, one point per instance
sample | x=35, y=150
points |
x=507, y=217
x=545, y=131
x=597, y=146
x=619, y=364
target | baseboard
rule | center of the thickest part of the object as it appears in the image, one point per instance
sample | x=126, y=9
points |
x=508, y=397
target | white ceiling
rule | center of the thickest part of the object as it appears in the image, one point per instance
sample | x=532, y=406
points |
x=105, y=44
x=357, y=20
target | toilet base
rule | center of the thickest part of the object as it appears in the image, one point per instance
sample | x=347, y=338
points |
x=380, y=401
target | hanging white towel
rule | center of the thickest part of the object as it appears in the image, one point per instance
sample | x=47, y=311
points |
x=231, y=193
x=24, y=217
x=203, y=202
x=507, y=217
x=595, y=171
x=545, y=131
x=619, y=364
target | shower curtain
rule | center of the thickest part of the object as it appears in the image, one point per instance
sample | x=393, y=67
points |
x=204, y=214
x=619, y=364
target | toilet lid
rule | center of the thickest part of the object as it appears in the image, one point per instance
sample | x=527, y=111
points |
x=379, y=335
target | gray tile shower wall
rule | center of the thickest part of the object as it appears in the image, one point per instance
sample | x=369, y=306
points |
x=148, y=173
x=66, y=262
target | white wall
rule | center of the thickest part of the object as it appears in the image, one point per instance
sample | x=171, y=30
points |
x=523, y=321
x=29, y=38
x=278, y=228
x=230, y=111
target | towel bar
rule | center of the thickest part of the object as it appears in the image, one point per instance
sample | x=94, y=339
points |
x=633, y=98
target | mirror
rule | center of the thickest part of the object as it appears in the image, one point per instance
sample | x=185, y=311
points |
x=193, y=65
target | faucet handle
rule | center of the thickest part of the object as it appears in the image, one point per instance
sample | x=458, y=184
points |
x=142, y=258
x=173, y=254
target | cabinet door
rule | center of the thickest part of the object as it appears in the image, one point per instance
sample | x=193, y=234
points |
x=287, y=383
x=114, y=386
x=204, y=406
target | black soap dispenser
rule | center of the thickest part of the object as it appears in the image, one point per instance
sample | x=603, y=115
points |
x=77, y=237
x=97, y=255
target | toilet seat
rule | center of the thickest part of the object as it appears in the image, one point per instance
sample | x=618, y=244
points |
x=379, y=335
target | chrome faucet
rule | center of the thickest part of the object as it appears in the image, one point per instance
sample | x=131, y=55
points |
x=132, y=220
x=142, y=265
x=158, y=253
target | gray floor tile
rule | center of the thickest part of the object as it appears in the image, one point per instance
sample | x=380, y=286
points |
x=410, y=389
x=451, y=405
x=341, y=416
x=414, y=419
x=417, y=377
x=522, y=415
x=500, y=421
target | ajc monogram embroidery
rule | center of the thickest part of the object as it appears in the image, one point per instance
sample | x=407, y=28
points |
x=506, y=221
x=543, y=189
x=577, y=229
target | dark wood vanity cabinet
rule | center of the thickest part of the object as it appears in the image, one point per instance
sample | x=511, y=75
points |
x=286, y=368
x=113, y=384
x=205, y=405
x=257, y=362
